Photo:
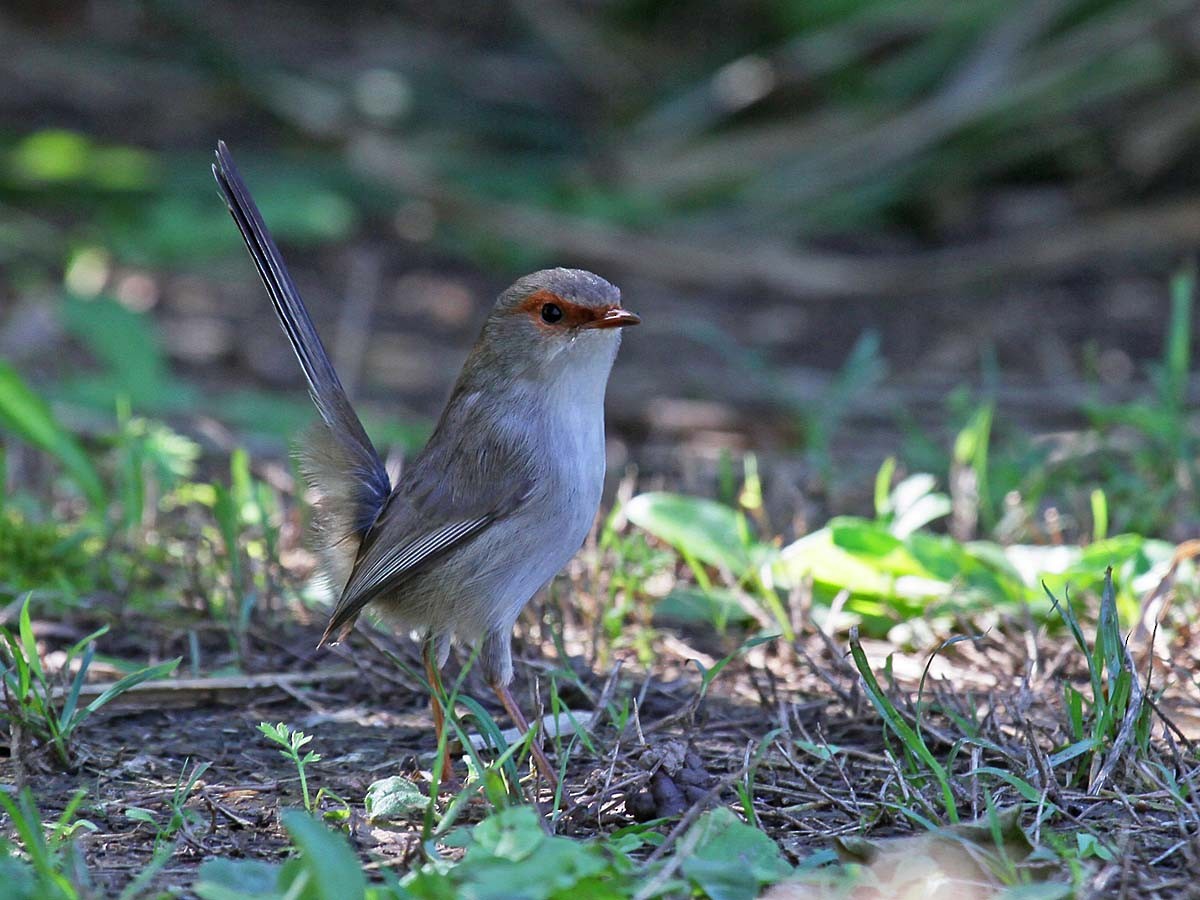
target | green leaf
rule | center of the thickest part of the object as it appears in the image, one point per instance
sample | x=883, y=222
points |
x=512, y=834
x=393, y=798
x=509, y=857
x=29, y=648
x=883, y=483
x=138, y=814
x=72, y=698
x=1089, y=846
x=238, y=879
x=703, y=529
x=162, y=670
x=1178, y=356
x=925, y=509
x=28, y=417
x=327, y=856
x=820, y=751
x=731, y=860
x=689, y=606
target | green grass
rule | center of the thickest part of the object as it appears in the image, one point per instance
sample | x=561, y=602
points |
x=44, y=711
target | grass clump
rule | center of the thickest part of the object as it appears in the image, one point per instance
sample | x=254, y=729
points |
x=1114, y=724
x=45, y=711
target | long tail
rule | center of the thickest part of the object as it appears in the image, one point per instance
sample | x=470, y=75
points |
x=345, y=467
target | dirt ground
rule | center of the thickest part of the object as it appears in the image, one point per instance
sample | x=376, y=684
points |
x=370, y=723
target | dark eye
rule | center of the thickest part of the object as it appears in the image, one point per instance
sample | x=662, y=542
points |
x=552, y=313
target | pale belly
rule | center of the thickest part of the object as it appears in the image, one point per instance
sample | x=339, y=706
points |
x=482, y=587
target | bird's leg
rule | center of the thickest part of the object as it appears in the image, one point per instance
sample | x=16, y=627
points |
x=435, y=705
x=514, y=711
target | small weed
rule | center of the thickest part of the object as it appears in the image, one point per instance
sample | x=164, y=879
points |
x=718, y=856
x=38, y=709
x=181, y=818
x=292, y=743
x=1116, y=721
x=150, y=461
x=324, y=866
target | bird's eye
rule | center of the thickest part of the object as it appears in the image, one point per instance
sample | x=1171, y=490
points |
x=552, y=313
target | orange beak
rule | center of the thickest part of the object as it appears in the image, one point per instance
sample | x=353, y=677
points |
x=614, y=318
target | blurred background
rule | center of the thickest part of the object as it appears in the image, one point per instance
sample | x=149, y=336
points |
x=852, y=227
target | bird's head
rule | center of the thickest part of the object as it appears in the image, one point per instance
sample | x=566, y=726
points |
x=553, y=320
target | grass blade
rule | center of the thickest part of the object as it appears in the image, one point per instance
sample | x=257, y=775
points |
x=148, y=674
x=892, y=718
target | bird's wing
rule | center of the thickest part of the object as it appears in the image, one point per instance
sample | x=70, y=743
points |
x=459, y=485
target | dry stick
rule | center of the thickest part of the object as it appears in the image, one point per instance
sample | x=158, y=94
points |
x=821, y=152
x=986, y=78
x=851, y=808
x=303, y=699
x=217, y=806
x=841, y=770
x=607, y=788
x=202, y=691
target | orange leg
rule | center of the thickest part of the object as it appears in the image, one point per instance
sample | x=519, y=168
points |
x=435, y=705
x=514, y=711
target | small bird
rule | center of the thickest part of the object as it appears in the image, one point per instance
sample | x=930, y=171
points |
x=502, y=495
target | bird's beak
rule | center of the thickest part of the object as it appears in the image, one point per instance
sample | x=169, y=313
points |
x=615, y=318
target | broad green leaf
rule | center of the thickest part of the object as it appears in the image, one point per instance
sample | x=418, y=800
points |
x=869, y=540
x=327, y=856
x=731, y=860
x=393, y=798
x=817, y=556
x=29, y=418
x=513, y=834
x=690, y=605
x=238, y=879
x=704, y=529
x=920, y=513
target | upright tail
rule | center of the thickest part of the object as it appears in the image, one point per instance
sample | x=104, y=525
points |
x=343, y=464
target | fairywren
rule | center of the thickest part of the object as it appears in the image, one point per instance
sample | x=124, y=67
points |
x=503, y=494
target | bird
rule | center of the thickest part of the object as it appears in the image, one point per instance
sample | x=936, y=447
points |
x=502, y=495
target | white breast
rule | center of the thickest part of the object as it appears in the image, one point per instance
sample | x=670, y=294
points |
x=563, y=423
